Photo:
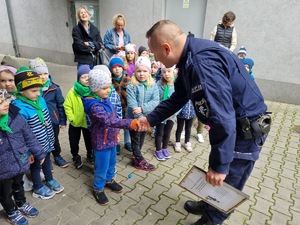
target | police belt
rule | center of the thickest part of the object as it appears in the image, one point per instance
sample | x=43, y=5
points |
x=253, y=128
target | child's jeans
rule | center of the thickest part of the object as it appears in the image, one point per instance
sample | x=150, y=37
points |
x=57, y=149
x=104, y=167
x=36, y=169
x=12, y=187
x=126, y=136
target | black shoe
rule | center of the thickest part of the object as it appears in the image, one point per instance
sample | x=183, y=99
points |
x=204, y=221
x=128, y=147
x=114, y=186
x=90, y=158
x=77, y=162
x=100, y=197
x=118, y=147
x=194, y=207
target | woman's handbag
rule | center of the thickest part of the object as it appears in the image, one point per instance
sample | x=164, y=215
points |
x=104, y=57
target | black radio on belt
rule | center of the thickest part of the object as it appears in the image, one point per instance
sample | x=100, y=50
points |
x=254, y=129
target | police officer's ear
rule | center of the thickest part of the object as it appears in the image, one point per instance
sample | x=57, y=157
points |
x=167, y=48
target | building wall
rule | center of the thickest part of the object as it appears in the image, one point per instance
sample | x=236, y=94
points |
x=41, y=30
x=269, y=31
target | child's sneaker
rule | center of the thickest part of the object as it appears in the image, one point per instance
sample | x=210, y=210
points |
x=144, y=165
x=90, y=159
x=100, y=197
x=200, y=138
x=182, y=135
x=114, y=186
x=28, y=210
x=44, y=193
x=177, y=147
x=159, y=155
x=77, y=162
x=166, y=153
x=188, y=147
x=17, y=218
x=55, y=186
x=61, y=162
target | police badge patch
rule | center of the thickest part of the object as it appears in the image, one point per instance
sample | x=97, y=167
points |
x=202, y=107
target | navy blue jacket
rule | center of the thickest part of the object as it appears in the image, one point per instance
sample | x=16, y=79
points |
x=221, y=91
x=14, y=147
x=55, y=100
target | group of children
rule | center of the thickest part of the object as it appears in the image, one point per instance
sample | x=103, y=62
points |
x=101, y=101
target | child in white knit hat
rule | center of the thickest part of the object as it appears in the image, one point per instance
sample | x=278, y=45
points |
x=104, y=132
x=130, y=59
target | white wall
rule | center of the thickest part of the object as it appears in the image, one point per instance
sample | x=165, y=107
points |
x=41, y=30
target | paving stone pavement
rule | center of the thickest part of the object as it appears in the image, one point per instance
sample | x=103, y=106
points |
x=156, y=198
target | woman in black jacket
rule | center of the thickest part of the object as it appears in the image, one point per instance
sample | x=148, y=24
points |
x=86, y=39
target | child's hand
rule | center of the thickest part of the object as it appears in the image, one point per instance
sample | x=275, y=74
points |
x=118, y=137
x=31, y=159
x=63, y=127
x=137, y=110
x=42, y=161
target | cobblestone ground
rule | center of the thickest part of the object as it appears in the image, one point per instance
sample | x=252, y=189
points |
x=156, y=198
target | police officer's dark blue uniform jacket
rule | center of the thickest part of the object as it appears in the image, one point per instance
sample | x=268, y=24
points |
x=222, y=92
x=15, y=147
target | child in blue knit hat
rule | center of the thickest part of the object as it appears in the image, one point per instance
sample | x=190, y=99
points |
x=75, y=114
x=248, y=63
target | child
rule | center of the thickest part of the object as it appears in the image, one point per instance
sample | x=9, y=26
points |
x=120, y=81
x=163, y=130
x=143, y=51
x=199, y=129
x=130, y=59
x=104, y=133
x=7, y=79
x=185, y=118
x=17, y=140
x=52, y=94
x=34, y=109
x=75, y=114
x=142, y=97
x=7, y=82
x=242, y=52
x=155, y=69
x=248, y=63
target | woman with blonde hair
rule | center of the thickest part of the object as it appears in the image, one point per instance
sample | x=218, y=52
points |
x=86, y=39
x=117, y=37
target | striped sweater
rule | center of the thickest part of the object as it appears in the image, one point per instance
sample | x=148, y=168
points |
x=43, y=131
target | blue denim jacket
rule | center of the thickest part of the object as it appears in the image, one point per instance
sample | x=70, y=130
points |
x=111, y=39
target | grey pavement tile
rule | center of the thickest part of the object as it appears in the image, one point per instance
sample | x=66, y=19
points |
x=130, y=218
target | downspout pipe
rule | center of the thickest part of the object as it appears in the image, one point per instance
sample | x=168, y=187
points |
x=12, y=29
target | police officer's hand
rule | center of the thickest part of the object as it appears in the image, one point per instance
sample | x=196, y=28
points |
x=215, y=178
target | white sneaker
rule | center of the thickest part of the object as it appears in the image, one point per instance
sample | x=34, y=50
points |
x=188, y=147
x=177, y=147
x=28, y=185
x=182, y=135
x=200, y=138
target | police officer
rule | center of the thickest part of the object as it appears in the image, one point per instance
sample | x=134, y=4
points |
x=224, y=97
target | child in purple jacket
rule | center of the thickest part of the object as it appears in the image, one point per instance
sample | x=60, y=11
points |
x=104, y=132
